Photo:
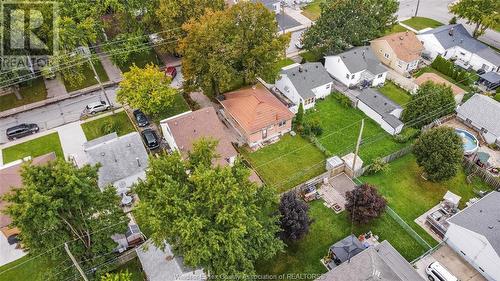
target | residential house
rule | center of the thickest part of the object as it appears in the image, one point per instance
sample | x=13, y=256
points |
x=379, y=262
x=474, y=233
x=304, y=83
x=381, y=110
x=491, y=80
x=454, y=42
x=160, y=264
x=483, y=114
x=123, y=160
x=183, y=130
x=257, y=114
x=357, y=66
x=399, y=51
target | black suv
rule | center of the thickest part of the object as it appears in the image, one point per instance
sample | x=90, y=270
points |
x=140, y=118
x=151, y=139
x=21, y=130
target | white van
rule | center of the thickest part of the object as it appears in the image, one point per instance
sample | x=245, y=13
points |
x=436, y=272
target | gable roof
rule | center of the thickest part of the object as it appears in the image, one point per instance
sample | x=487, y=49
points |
x=482, y=110
x=405, y=44
x=380, y=262
x=306, y=77
x=255, y=108
x=380, y=104
x=120, y=157
x=456, y=35
x=10, y=178
x=482, y=217
x=188, y=128
x=362, y=58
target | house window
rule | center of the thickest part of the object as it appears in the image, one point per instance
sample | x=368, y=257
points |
x=386, y=55
x=347, y=75
x=282, y=123
x=484, y=131
x=380, y=75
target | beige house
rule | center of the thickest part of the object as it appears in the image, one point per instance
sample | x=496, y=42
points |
x=400, y=51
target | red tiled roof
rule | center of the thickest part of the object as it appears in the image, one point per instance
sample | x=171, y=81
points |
x=255, y=108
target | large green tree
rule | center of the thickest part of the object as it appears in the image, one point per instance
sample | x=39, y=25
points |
x=431, y=102
x=483, y=14
x=347, y=23
x=213, y=216
x=147, y=89
x=62, y=203
x=439, y=152
x=237, y=44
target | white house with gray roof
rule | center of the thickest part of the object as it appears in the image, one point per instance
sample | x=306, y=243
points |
x=474, y=233
x=304, y=83
x=454, y=42
x=483, y=114
x=356, y=66
x=381, y=110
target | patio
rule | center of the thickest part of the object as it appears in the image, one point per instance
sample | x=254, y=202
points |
x=333, y=193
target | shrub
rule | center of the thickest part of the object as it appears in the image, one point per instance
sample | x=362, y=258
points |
x=294, y=219
x=364, y=204
x=453, y=20
x=343, y=100
x=406, y=135
x=377, y=166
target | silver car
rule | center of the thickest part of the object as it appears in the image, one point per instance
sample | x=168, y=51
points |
x=96, y=107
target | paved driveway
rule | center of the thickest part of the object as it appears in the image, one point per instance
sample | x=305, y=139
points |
x=72, y=140
x=8, y=253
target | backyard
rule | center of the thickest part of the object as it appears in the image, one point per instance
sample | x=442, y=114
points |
x=34, y=92
x=287, y=163
x=312, y=10
x=395, y=29
x=119, y=123
x=395, y=93
x=419, y=23
x=178, y=106
x=31, y=269
x=303, y=257
x=341, y=126
x=89, y=77
x=35, y=147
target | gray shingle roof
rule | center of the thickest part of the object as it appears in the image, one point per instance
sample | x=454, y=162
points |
x=306, y=77
x=491, y=77
x=361, y=58
x=381, y=262
x=482, y=217
x=461, y=37
x=380, y=104
x=347, y=248
x=484, y=111
x=120, y=157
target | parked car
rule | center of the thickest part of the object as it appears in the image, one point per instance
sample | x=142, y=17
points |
x=140, y=118
x=21, y=130
x=171, y=72
x=96, y=107
x=151, y=139
x=436, y=272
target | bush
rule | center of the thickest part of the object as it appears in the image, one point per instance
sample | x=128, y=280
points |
x=109, y=127
x=406, y=135
x=343, y=100
x=319, y=146
x=364, y=204
x=377, y=166
x=312, y=127
x=453, y=20
x=497, y=96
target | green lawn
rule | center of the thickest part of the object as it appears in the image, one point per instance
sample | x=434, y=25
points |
x=277, y=68
x=448, y=78
x=119, y=123
x=89, y=79
x=340, y=139
x=395, y=29
x=313, y=10
x=287, y=163
x=395, y=93
x=311, y=56
x=36, y=147
x=419, y=23
x=327, y=228
x=29, y=93
x=32, y=270
x=134, y=267
x=141, y=60
x=178, y=106
x=411, y=196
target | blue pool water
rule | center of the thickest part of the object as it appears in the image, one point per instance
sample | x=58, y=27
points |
x=469, y=140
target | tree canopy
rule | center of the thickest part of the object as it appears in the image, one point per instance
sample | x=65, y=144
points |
x=439, y=152
x=225, y=47
x=431, y=102
x=147, y=89
x=483, y=14
x=213, y=216
x=347, y=23
x=364, y=204
x=294, y=217
x=62, y=203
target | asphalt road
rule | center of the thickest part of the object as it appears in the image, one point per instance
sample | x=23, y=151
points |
x=438, y=10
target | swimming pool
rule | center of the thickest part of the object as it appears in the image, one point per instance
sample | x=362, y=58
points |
x=470, y=142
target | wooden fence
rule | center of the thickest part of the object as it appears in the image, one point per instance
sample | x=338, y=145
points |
x=471, y=168
x=438, y=122
x=389, y=158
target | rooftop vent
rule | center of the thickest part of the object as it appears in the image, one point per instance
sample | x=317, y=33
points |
x=450, y=32
x=301, y=69
x=490, y=226
x=138, y=162
x=103, y=153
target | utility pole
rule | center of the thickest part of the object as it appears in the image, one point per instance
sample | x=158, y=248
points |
x=357, y=146
x=75, y=262
x=96, y=76
x=416, y=10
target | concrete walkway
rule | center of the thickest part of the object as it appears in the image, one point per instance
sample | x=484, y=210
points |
x=72, y=140
x=406, y=83
x=55, y=87
x=202, y=100
x=114, y=73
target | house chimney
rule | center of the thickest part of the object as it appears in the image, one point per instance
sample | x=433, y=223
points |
x=450, y=32
x=300, y=69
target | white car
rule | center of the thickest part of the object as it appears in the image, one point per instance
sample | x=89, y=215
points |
x=96, y=107
x=436, y=272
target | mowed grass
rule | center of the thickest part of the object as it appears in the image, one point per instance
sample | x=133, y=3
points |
x=141, y=60
x=27, y=269
x=313, y=10
x=89, y=77
x=119, y=123
x=34, y=148
x=395, y=29
x=303, y=257
x=178, y=106
x=411, y=196
x=276, y=70
x=287, y=163
x=395, y=93
x=341, y=128
x=33, y=92
x=420, y=23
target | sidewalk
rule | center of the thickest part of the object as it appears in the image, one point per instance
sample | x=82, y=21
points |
x=114, y=73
